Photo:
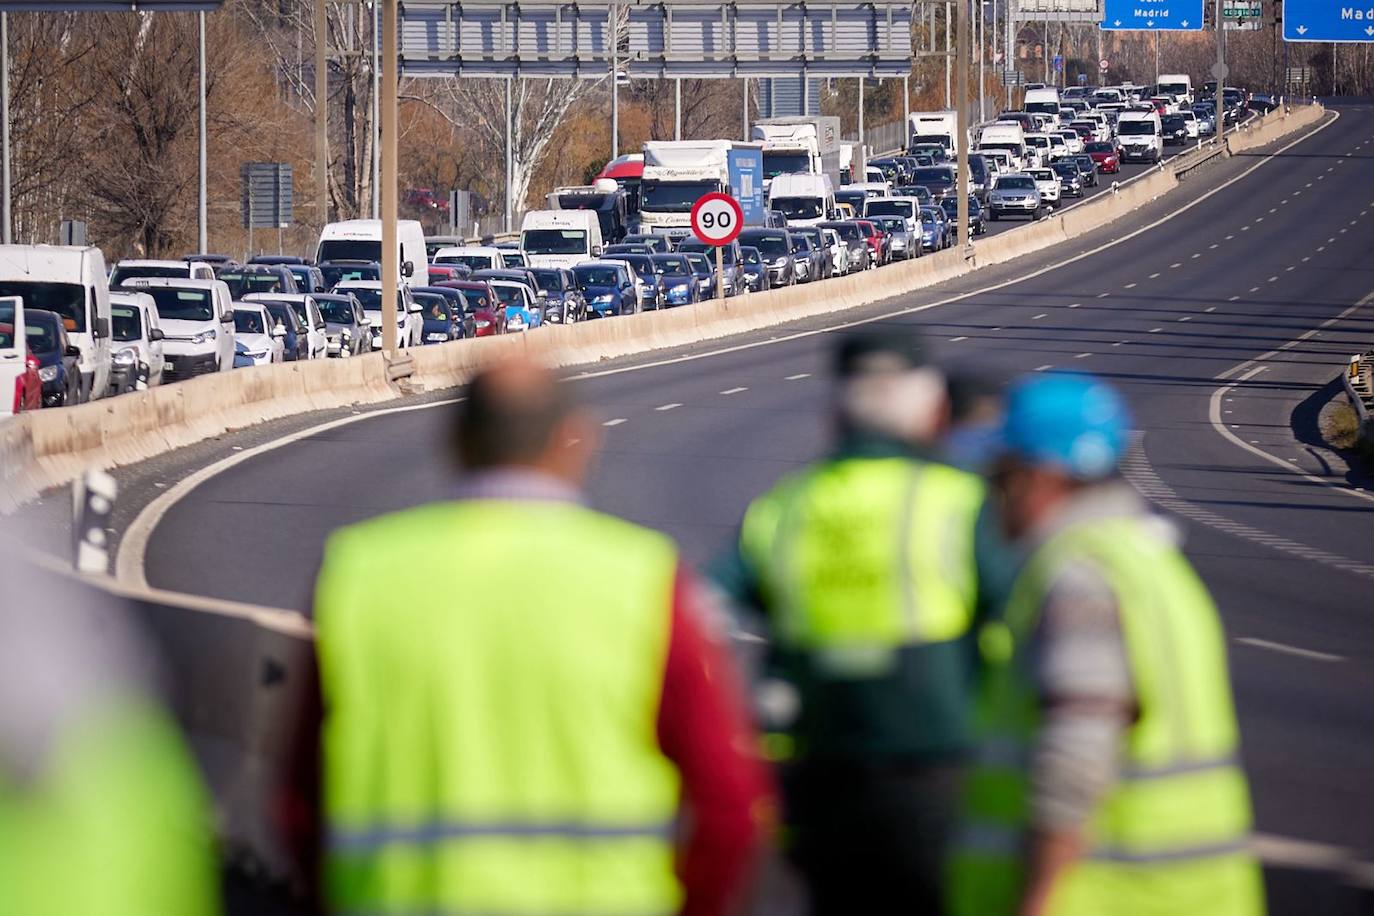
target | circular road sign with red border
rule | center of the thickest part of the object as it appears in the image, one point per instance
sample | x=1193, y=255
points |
x=717, y=219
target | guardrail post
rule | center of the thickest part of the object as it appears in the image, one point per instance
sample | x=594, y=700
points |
x=93, y=497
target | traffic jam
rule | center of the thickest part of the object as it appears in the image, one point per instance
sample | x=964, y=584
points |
x=675, y=224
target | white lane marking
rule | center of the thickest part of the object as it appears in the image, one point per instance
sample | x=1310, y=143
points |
x=1155, y=330
x=1186, y=318
x=1321, y=247
x=667, y=407
x=1273, y=209
x=1244, y=228
x=1198, y=255
x=1289, y=650
x=616, y=422
x=1252, y=367
x=1120, y=342
x=1306, y=855
x=1271, y=279
x=1213, y=308
x=133, y=544
x=1154, y=276
x=1083, y=356
x=1331, y=240
x=1130, y=286
x=1137, y=470
x=734, y=390
x=1254, y=289
x=1212, y=246
x=1038, y=317
x=1287, y=269
x=1259, y=219
x=1105, y=295
x=1229, y=237
x=957, y=339
x=1044, y=367
x=799, y=375
x=1074, y=305
x=1285, y=200
x=1305, y=259
x=1175, y=265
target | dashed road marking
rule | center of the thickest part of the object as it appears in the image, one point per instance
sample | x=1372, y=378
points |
x=1213, y=246
x=1105, y=295
x=957, y=339
x=616, y=422
x=1273, y=209
x=1129, y=286
x=802, y=375
x=734, y=390
x=1154, y=276
x=1289, y=650
x=1176, y=264
x=1305, y=259
x=1254, y=289
x=1321, y=247
x=1074, y=305
x=1197, y=255
x=1290, y=267
x=1271, y=279
x=1038, y=317
x=1120, y=343
x=1229, y=237
x=1083, y=356
x=1155, y=330
x=1213, y=308
x=667, y=407
x=1186, y=318
x=1044, y=367
x=1244, y=228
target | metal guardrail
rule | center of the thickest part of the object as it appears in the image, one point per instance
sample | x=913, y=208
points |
x=1358, y=378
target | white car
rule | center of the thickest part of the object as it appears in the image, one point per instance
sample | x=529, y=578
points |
x=839, y=252
x=1190, y=123
x=516, y=295
x=409, y=321
x=197, y=317
x=1071, y=140
x=257, y=340
x=134, y=268
x=137, y=341
x=308, y=311
x=1047, y=183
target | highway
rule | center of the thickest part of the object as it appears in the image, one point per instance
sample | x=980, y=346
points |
x=1224, y=322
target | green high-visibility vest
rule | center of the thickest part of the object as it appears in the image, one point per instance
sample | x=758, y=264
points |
x=867, y=553
x=491, y=674
x=116, y=823
x=1171, y=836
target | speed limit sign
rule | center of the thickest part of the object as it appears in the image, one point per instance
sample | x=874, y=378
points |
x=717, y=219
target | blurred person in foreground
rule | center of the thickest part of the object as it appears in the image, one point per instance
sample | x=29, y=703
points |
x=530, y=734
x=102, y=810
x=975, y=419
x=869, y=572
x=1108, y=779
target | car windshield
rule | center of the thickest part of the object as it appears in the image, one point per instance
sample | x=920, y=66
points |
x=434, y=306
x=509, y=296
x=339, y=311
x=643, y=265
x=1100, y=147
x=671, y=264
x=854, y=198
x=41, y=335
x=1067, y=169
x=68, y=300
x=888, y=207
x=182, y=304
x=891, y=223
x=248, y=321
x=848, y=231
x=597, y=276
x=751, y=255
x=1016, y=183
x=674, y=197
x=474, y=261
x=241, y=283
x=698, y=261
x=350, y=250
x=1171, y=122
x=371, y=299
x=124, y=272
x=937, y=175
x=126, y=323
x=475, y=299
x=798, y=207
x=779, y=162
x=727, y=252
x=550, y=280
x=770, y=246
x=1135, y=128
x=334, y=274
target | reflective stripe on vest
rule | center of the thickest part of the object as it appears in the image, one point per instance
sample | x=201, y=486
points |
x=1180, y=802
x=867, y=553
x=490, y=740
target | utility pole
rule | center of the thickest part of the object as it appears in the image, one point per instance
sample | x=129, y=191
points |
x=510, y=152
x=1219, y=71
x=202, y=232
x=962, y=119
x=745, y=115
x=861, y=110
x=677, y=108
x=376, y=92
x=949, y=95
x=322, y=114
x=906, y=110
x=982, y=62
x=391, y=254
x=615, y=82
x=7, y=230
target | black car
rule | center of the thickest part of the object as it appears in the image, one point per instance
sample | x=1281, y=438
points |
x=258, y=278
x=938, y=179
x=1070, y=178
x=818, y=242
x=564, y=302
x=729, y=259
x=677, y=278
x=57, y=358
x=1175, y=129
x=296, y=344
x=283, y=260
x=918, y=191
x=611, y=251
x=442, y=321
x=1087, y=169
x=336, y=272
x=346, y=327
x=776, y=247
x=755, y=271
x=703, y=269
x=894, y=169
x=977, y=216
x=309, y=278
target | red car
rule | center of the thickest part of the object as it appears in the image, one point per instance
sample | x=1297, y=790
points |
x=877, y=240
x=484, y=315
x=1105, y=155
x=441, y=273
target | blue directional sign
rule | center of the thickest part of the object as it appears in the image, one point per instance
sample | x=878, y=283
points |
x=1152, y=15
x=1327, y=20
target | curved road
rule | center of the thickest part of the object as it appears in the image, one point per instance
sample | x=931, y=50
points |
x=1224, y=324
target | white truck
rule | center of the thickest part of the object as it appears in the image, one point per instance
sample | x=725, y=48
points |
x=676, y=174
x=940, y=127
x=361, y=240
x=1177, y=86
x=560, y=238
x=1140, y=136
x=1008, y=137
x=1044, y=101
x=799, y=145
x=804, y=200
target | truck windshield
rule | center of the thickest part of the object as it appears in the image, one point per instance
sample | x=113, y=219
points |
x=1135, y=128
x=126, y=323
x=554, y=241
x=942, y=140
x=798, y=207
x=68, y=300
x=784, y=162
x=350, y=250
x=182, y=304
x=676, y=196
x=1049, y=108
x=1174, y=89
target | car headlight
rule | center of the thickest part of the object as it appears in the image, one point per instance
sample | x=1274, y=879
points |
x=257, y=354
x=48, y=374
x=554, y=317
x=345, y=334
x=435, y=335
x=204, y=337
x=604, y=299
x=780, y=262
x=679, y=289
x=483, y=323
x=125, y=357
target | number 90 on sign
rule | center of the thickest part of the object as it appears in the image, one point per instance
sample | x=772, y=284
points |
x=717, y=219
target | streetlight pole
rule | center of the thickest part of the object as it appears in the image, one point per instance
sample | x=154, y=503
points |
x=376, y=92
x=322, y=113
x=677, y=108
x=962, y=57
x=7, y=230
x=391, y=254
x=510, y=153
x=202, y=230
x=615, y=82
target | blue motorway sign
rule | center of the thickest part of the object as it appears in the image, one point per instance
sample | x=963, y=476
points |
x=1152, y=15
x=1327, y=20
x=746, y=181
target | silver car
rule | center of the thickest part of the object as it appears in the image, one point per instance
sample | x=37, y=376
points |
x=810, y=260
x=906, y=244
x=1015, y=195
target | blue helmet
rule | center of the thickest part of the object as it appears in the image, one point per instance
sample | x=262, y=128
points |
x=1074, y=422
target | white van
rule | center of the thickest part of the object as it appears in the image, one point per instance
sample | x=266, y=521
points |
x=1043, y=101
x=138, y=335
x=133, y=268
x=72, y=283
x=1140, y=136
x=477, y=257
x=1007, y=137
x=361, y=240
x=1177, y=86
x=558, y=238
x=803, y=200
x=908, y=208
x=198, y=323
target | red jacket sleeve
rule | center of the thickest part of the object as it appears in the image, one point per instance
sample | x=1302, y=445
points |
x=704, y=727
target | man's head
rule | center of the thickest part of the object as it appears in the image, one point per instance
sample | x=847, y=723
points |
x=886, y=388
x=518, y=415
x=1061, y=432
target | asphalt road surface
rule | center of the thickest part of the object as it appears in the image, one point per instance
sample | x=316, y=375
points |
x=1225, y=325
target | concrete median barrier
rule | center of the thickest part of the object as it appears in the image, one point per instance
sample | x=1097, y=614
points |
x=52, y=447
